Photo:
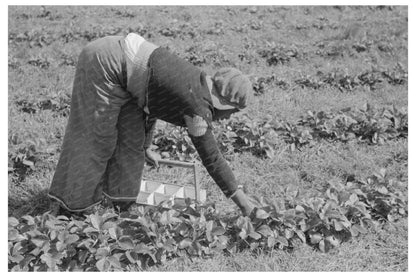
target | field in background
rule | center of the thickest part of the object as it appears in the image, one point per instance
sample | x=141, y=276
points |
x=299, y=59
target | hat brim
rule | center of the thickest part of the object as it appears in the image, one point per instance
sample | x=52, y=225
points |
x=220, y=104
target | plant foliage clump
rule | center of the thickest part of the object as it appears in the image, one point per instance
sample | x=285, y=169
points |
x=108, y=241
x=261, y=137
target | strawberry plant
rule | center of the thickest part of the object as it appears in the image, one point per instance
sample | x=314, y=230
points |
x=107, y=241
x=346, y=82
x=194, y=57
x=174, y=143
x=260, y=84
x=56, y=102
x=25, y=151
x=179, y=31
x=368, y=124
x=279, y=54
x=123, y=13
x=40, y=62
x=244, y=134
x=34, y=38
x=260, y=136
x=217, y=29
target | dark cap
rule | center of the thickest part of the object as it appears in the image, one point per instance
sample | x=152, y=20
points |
x=231, y=89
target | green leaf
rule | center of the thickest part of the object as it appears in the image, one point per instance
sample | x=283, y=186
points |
x=83, y=255
x=218, y=231
x=301, y=235
x=358, y=228
x=333, y=214
x=283, y=241
x=62, y=218
x=353, y=198
x=271, y=242
x=90, y=230
x=169, y=245
x=315, y=237
x=164, y=218
x=383, y=172
x=29, y=164
x=53, y=234
x=109, y=215
x=339, y=226
x=316, y=203
x=102, y=265
x=16, y=258
x=52, y=260
x=292, y=191
x=300, y=209
x=243, y=234
x=39, y=242
x=102, y=253
x=354, y=231
x=304, y=226
x=289, y=233
x=113, y=232
x=114, y=262
x=13, y=222
x=265, y=230
x=223, y=240
x=185, y=243
x=182, y=229
x=210, y=225
x=333, y=241
x=96, y=221
x=30, y=220
x=383, y=190
x=72, y=238
x=13, y=235
x=126, y=243
x=361, y=207
x=107, y=225
x=60, y=246
x=262, y=214
x=26, y=261
x=254, y=235
x=132, y=256
x=322, y=246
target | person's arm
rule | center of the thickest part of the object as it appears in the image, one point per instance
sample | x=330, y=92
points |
x=206, y=146
x=151, y=156
x=214, y=162
x=149, y=129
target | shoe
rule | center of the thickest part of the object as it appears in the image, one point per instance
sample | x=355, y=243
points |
x=57, y=209
x=123, y=206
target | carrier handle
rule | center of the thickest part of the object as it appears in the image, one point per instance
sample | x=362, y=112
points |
x=185, y=165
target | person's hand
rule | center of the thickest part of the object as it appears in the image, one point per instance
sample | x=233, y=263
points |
x=152, y=157
x=246, y=204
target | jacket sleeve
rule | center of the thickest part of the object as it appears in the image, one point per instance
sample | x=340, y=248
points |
x=214, y=162
x=149, y=129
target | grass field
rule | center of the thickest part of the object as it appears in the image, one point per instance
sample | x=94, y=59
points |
x=299, y=59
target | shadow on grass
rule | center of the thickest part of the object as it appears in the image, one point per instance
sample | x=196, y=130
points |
x=37, y=204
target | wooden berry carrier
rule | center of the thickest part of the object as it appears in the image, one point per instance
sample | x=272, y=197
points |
x=154, y=193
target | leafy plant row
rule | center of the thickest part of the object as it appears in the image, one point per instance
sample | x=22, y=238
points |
x=346, y=82
x=242, y=134
x=58, y=104
x=279, y=54
x=338, y=79
x=107, y=241
x=262, y=137
x=42, y=38
x=371, y=125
